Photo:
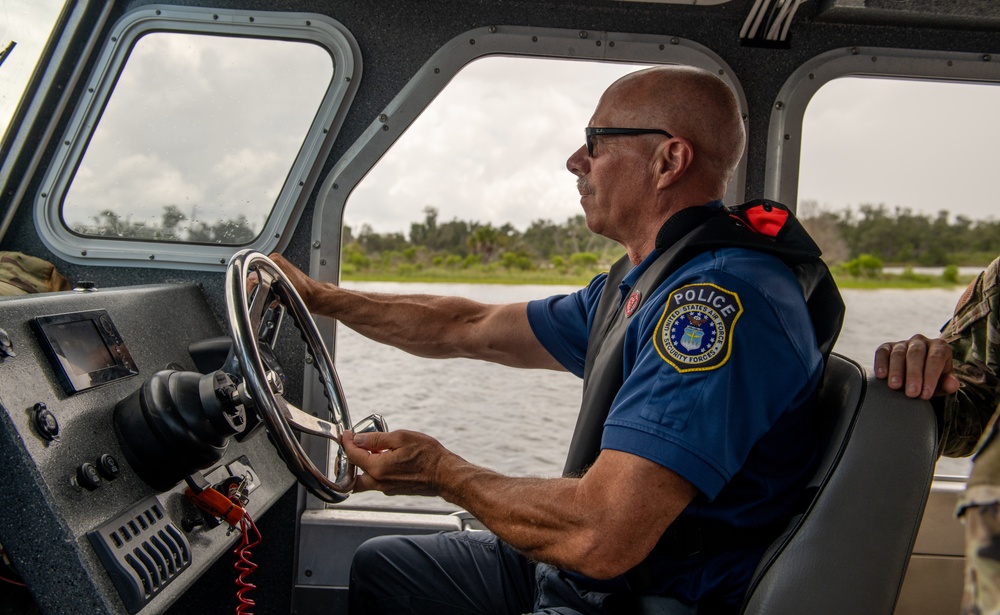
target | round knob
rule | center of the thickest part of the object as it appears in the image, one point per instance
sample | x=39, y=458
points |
x=45, y=422
x=108, y=466
x=88, y=476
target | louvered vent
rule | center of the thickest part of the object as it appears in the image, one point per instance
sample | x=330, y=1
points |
x=142, y=550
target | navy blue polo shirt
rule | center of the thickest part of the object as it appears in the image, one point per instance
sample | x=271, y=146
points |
x=720, y=372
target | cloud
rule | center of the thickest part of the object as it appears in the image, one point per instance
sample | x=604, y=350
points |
x=208, y=123
x=923, y=145
x=492, y=147
x=146, y=181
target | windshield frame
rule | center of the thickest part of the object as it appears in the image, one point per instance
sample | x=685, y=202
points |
x=302, y=177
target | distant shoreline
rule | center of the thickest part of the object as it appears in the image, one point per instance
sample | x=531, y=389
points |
x=897, y=281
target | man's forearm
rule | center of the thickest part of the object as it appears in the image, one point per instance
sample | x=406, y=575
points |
x=543, y=518
x=428, y=325
x=595, y=525
x=600, y=525
x=423, y=325
x=964, y=417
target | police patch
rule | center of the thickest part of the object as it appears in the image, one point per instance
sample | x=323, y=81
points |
x=695, y=332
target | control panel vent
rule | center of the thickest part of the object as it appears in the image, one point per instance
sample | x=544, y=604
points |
x=142, y=551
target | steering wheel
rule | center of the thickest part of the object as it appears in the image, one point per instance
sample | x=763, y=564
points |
x=254, y=319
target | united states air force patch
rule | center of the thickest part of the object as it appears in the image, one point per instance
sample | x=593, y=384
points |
x=695, y=332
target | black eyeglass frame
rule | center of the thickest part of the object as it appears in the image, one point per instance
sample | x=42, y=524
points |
x=591, y=131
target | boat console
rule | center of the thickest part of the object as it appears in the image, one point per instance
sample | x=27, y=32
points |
x=111, y=409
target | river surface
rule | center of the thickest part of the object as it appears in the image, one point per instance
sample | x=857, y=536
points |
x=520, y=421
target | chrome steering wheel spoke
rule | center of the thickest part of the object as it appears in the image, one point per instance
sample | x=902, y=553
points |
x=307, y=423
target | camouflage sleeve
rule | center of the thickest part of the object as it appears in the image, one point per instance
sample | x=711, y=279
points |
x=974, y=336
x=21, y=274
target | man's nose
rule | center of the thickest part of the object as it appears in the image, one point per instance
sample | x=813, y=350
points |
x=579, y=162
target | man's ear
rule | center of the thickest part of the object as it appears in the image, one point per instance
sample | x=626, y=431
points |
x=673, y=160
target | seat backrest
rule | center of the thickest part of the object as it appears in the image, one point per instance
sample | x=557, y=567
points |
x=847, y=553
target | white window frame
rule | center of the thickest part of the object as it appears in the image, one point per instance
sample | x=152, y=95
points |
x=318, y=29
x=788, y=111
x=784, y=138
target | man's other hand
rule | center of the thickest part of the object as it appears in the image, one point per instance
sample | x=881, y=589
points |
x=923, y=365
x=397, y=462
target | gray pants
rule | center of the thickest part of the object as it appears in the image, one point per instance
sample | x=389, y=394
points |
x=466, y=573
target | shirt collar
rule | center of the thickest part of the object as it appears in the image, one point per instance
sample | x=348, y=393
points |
x=678, y=225
x=633, y=276
x=685, y=221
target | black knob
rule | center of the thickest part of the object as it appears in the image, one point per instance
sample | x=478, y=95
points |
x=108, y=466
x=6, y=346
x=88, y=476
x=190, y=524
x=46, y=422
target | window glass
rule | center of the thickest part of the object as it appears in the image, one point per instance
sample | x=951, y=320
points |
x=902, y=171
x=197, y=139
x=24, y=29
x=490, y=152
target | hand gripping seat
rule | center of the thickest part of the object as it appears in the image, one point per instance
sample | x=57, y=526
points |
x=847, y=553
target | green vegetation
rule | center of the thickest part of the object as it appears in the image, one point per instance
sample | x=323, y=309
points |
x=857, y=246
x=461, y=251
x=905, y=280
x=900, y=237
x=173, y=226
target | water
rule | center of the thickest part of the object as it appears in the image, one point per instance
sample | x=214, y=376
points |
x=519, y=422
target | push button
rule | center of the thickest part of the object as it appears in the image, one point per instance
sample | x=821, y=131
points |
x=108, y=466
x=88, y=476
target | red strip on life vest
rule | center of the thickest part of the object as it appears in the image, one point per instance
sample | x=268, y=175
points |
x=766, y=221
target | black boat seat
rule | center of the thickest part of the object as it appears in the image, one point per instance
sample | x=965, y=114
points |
x=847, y=553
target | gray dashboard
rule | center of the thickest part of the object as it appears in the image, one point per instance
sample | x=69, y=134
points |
x=58, y=497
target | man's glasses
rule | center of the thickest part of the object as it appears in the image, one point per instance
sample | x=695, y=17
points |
x=591, y=132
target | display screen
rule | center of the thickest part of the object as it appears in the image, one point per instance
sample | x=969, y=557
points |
x=83, y=347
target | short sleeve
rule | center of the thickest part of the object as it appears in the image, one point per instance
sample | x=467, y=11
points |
x=562, y=323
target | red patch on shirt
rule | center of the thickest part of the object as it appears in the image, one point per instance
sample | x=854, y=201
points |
x=633, y=303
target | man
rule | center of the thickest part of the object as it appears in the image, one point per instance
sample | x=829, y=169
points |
x=705, y=445
x=927, y=369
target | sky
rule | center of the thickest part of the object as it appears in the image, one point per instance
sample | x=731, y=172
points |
x=925, y=145
x=489, y=151
x=26, y=22
x=256, y=100
x=486, y=151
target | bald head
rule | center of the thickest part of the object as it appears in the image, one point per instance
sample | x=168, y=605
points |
x=691, y=103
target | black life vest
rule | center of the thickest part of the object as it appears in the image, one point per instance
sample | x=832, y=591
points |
x=760, y=225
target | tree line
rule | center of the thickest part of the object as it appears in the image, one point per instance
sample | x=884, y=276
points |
x=852, y=241
x=899, y=236
x=173, y=226
x=474, y=247
x=855, y=242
